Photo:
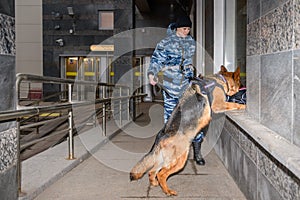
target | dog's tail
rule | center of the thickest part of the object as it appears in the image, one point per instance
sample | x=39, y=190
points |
x=142, y=166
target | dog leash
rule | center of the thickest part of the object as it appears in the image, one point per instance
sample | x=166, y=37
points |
x=160, y=87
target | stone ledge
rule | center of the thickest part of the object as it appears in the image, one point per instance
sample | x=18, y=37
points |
x=280, y=148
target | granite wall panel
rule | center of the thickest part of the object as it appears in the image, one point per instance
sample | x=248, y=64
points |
x=8, y=133
x=7, y=7
x=276, y=92
x=296, y=98
x=253, y=85
x=234, y=158
x=248, y=177
x=8, y=184
x=232, y=129
x=268, y=5
x=296, y=23
x=272, y=71
x=243, y=153
x=277, y=29
x=273, y=82
x=7, y=35
x=8, y=149
x=253, y=11
x=253, y=39
x=257, y=173
x=279, y=176
x=265, y=191
x=248, y=146
x=7, y=82
x=223, y=143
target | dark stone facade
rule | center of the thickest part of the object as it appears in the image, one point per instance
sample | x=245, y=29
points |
x=272, y=65
x=86, y=33
x=255, y=161
x=8, y=135
x=260, y=147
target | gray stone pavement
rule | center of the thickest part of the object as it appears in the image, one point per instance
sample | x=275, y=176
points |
x=105, y=174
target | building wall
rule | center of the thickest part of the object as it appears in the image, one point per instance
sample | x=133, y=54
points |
x=8, y=136
x=260, y=148
x=273, y=66
x=86, y=33
x=29, y=37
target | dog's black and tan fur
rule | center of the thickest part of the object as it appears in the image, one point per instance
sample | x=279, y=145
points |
x=169, y=153
x=170, y=150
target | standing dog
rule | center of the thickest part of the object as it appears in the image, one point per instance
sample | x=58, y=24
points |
x=170, y=150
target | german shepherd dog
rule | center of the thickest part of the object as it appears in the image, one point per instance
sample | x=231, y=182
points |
x=170, y=150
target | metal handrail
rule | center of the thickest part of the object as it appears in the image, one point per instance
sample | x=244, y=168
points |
x=23, y=111
x=47, y=79
x=44, y=79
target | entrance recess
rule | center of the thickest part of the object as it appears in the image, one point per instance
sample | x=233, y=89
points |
x=96, y=68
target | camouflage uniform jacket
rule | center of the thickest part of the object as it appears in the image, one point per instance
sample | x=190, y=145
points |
x=169, y=54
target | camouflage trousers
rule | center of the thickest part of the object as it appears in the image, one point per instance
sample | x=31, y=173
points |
x=169, y=105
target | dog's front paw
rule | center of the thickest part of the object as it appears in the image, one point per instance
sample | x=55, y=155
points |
x=154, y=183
x=242, y=107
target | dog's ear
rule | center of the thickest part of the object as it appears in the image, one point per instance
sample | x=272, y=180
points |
x=223, y=68
x=199, y=97
x=196, y=88
x=200, y=76
x=237, y=73
x=238, y=70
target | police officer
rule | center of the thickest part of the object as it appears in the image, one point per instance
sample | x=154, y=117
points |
x=173, y=56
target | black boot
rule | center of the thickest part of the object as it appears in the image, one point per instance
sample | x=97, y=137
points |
x=197, y=153
x=197, y=149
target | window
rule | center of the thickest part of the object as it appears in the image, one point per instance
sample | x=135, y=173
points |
x=106, y=20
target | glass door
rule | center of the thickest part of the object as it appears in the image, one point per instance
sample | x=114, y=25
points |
x=96, y=68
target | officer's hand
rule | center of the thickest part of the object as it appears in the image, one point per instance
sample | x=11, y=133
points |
x=152, y=79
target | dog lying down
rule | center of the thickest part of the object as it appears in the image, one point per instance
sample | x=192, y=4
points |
x=170, y=150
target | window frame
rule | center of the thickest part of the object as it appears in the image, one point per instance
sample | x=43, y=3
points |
x=100, y=12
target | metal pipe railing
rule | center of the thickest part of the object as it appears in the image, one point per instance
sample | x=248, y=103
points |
x=23, y=111
x=42, y=122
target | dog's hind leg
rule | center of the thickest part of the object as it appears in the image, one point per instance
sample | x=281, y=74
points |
x=164, y=173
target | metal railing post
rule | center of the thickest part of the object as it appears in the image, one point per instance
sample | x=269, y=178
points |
x=120, y=108
x=128, y=104
x=103, y=112
x=19, y=164
x=134, y=108
x=70, y=120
